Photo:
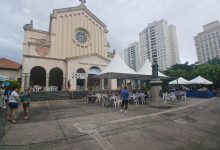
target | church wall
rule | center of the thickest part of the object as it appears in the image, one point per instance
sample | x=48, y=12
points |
x=47, y=64
x=56, y=47
x=33, y=39
x=85, y=63
x=64, y=26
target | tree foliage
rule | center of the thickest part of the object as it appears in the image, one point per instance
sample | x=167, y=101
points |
x=14, y=83
x=209, y=70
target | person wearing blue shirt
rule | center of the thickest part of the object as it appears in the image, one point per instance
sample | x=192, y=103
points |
x=124, y=96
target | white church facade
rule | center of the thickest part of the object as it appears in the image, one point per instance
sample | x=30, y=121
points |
x=68, y=54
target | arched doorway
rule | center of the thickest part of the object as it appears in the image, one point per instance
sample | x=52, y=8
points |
x=93, y=83
x=80, y=83
x=38, y=78
x=56, y=79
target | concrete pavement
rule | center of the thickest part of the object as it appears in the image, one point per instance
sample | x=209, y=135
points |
x=192, y=124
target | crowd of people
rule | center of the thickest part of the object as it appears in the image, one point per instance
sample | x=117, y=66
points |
x=125, y=96
x=37, y=88
x=10, y=99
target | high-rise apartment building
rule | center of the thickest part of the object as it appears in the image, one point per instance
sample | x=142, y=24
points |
x=208, y=42
x=158, y=42
x=131, y=56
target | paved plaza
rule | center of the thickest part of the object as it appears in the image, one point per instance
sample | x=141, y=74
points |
x=73, y=124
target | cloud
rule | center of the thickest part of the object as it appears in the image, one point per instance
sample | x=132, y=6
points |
x=124, y=20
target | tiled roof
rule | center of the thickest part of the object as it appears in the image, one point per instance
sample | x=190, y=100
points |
x=9, y=64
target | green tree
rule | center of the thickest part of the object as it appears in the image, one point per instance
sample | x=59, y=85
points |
x=209, y=70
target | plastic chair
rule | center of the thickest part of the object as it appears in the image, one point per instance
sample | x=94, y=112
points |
x=142, y=100
x=117, y=102
x=166, y=97
x=183, y=95
x=136, y=101
x=114, y=102
x=98, y=98
x=173, y=96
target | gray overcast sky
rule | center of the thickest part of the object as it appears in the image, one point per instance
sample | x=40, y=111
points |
x=124, y=19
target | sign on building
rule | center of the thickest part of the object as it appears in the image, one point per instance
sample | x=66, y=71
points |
x=79, y=76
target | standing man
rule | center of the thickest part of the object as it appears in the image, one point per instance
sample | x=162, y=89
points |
x=124, y=96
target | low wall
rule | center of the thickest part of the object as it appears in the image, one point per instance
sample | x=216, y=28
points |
x=200, y=94
x=3, y=120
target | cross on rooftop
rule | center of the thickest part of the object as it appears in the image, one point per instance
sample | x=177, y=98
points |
x=82, y=1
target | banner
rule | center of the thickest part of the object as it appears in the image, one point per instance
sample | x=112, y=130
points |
x=79, y=75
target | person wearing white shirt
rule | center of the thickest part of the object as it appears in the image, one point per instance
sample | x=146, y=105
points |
x=13, y=104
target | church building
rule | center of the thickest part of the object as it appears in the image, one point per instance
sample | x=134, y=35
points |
x=67, y=55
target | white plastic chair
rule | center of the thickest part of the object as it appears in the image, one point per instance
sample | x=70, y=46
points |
x=117, y=102
x=85, y=98
x=114, y=102
x=98, y=98
x=136, y=101
x=183, y=95
x=142, y=100
x=166, y=97
x=173, y=96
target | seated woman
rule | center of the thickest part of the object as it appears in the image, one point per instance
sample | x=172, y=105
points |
x=178, y=94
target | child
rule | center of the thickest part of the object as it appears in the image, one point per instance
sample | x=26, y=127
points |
x=25, y=99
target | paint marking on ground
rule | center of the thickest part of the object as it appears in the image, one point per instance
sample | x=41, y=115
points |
x=128, y=119
x=90, y=128
x=103, y=143
x=160, y=113
x=181, y=121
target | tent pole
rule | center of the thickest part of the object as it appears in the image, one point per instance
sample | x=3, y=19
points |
x=125, y=82
x=109, y=83
x=177, y=84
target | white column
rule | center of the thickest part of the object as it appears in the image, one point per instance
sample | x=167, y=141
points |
x=102, y=84
x=47, y=82
x=109, y=84
x=28, y=80
x=86, y=82
x=64, y=83
x=23, y=82
x=73, y=84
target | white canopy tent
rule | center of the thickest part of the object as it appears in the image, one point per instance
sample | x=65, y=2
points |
x=117, y=69
x=146, y=70
x=200, y=80
x=180, y=80
x=2, y=78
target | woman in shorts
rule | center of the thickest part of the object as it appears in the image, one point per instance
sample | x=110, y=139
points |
x=13, y=104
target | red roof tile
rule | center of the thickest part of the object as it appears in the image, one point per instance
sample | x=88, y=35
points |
x=9, y=64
